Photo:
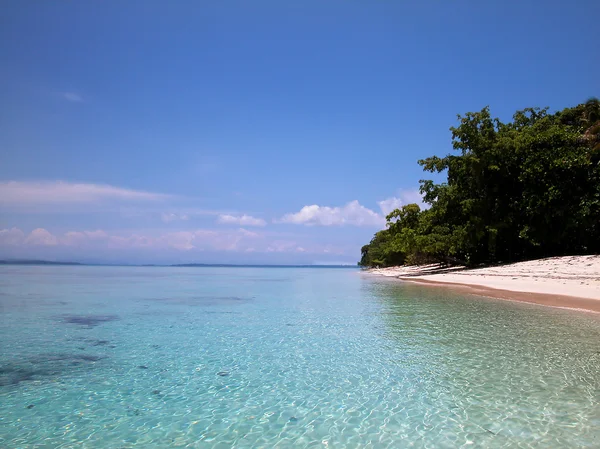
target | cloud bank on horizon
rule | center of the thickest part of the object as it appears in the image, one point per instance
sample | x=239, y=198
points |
x=223, y=232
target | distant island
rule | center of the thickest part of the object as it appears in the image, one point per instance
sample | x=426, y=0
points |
x=36, y=262
x=259, y=265
x=522, y=190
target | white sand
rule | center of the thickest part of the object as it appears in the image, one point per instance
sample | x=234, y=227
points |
x=577, y=276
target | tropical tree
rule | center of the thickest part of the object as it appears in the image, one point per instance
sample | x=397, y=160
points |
x=524, y=189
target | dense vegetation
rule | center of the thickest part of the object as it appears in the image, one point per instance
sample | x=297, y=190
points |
x=525, y=189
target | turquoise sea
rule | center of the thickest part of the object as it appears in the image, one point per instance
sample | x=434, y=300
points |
x=151, y=357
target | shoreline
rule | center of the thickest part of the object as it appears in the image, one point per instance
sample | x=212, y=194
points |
x=543, y=299
x=571, y=282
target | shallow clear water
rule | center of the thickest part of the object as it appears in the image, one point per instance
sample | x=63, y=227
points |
x=119, y=357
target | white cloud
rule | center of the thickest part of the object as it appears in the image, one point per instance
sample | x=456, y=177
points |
x=12, y=236
x=132, y=241
x=96, y=235
x=75, y=238
x=404, y=197
x=198, y=240
x=229, y=240
x=72, y=97
x=390, y=204
x=281, y=246
x=352, y=213
x=41, y=236
x=286, y=246
x=60, y=192
x=169, y=217
x=247, y=233
x=182, y=240
x=241, y=220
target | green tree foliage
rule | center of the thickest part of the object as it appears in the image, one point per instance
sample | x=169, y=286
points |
x=525, y=189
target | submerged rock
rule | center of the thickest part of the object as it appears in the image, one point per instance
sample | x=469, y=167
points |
x=89, y=358
x=43, y=366
x=88, y=320
x=16, y=375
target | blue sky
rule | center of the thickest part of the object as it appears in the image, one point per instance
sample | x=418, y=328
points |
x=254, y=132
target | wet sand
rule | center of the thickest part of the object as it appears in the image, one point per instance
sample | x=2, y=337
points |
x=569, y=282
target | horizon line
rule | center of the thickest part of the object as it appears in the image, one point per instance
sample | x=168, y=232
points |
x=181, y=265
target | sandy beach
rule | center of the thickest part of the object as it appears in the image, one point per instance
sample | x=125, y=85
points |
x=570, y=281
